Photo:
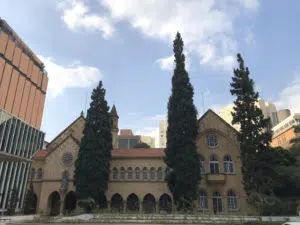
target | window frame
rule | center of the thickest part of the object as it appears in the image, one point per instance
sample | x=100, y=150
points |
x=122, y=173
x=209, y=140
x=202, y=199
x=129, y=173
x=137, y=173
x=232, y=201
x=145, y=173
x=115, y=173
x=152, y=173
x=228, y=165
x=214, y=163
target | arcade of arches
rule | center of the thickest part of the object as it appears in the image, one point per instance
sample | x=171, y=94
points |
x=136, y=179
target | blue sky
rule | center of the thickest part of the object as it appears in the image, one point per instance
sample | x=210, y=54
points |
x=128, y=44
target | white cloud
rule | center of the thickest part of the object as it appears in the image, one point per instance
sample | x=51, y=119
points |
x=207, y=26
x=77, y=16
x=72, y=76
x=290, y=96
x=168, y=63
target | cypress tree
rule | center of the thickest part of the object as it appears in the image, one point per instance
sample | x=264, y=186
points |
x=92, y=165
x=254, y=134
x=30, y=201
x=182, y=159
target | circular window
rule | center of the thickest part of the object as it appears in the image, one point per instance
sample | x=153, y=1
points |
x=212, y=140
x=67, y=158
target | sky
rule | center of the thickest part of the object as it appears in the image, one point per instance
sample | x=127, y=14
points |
x=128, y=45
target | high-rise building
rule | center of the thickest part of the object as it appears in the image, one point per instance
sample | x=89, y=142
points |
x=284, y=131
x=283, y=114
x=127, y=139
x=23, y=85
x=268, y=109
x=163, y=125
x=148, y=140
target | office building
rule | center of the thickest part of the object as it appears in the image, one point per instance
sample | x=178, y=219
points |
x=284, y=131
x=283, y=114
x=23, y=85
x=148, y=140
x=163, y=126
x=127, y=140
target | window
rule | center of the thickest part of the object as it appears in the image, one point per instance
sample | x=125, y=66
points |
x=145, y=173
x=232, y=200
x=202, y=164
x=137, y=173
x=212, y=140
x=214, y=164
x=122, y=173
x=217, y=202
x=152, y=173
x=203, y=203
x=40, y=174
x=129, y=171
x=228, y=165
x=159, y=173
x=32, y=173
x=67, y=158
x=115, y=173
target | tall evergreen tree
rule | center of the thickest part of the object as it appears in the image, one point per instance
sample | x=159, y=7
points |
x=30, y=201
x=254, y=134
x=92, y=166
x=182, y=158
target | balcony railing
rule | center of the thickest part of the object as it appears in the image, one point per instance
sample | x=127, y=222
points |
x=215, y=178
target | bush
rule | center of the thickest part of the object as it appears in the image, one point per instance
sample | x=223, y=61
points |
x=87, y=204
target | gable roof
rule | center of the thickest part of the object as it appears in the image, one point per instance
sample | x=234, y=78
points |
x=215, y=114
x=40, y=154
x=78, y=118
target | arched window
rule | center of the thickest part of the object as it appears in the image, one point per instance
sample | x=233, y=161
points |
x=217, y=202
x=145, y=173
x=212, y=140
x=115, y=173
x=203, y=202
x=214, y=164
x=231, y=200
x=40, y=174
x=32, y=173
x=152, y=173
x=160, y=173
x=137, y=173
x=129, y=171
x=122, y=173
x=228, y=165
x=202, y=164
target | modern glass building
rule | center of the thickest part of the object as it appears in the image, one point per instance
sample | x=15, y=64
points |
x=19, y=141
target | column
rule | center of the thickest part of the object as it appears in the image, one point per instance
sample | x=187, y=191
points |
x=61, y=207
x=141, y=207
x=124, y=207
x=173, y=207
x=157, y=207
x=108, y=207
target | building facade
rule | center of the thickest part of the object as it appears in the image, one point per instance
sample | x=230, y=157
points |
x=163, y=126
x=284, y=131
x=148, y=140
x=23, y=85
x=283, y=114
x=137, y=176
x=18, y=142
x=127, y=140
x=23, y=80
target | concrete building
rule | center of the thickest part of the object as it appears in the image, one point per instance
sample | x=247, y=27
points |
x=127, y=140
x=23, y=85
x=284, y=131
x=163, y=126
x=226, y=115
x=137, y=175
x=283, y=114
x=268, y=109
x=148, y=140
x=22, y=77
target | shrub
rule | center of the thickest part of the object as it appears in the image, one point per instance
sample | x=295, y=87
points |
x=87, y=204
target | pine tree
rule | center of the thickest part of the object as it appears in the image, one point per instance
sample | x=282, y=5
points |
x=13, y=201
x=30, y=201
x=92, y=166
x=254, y=134
x=182, y=158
